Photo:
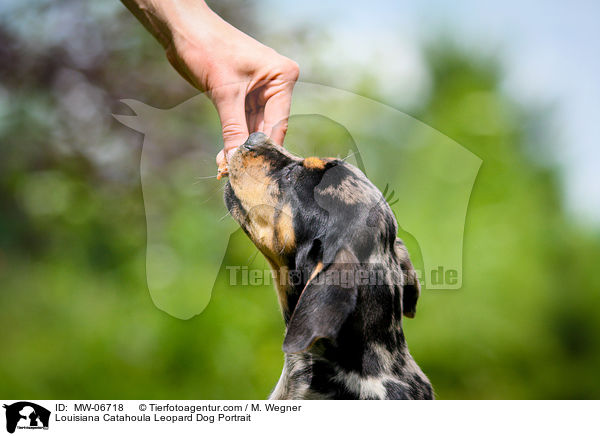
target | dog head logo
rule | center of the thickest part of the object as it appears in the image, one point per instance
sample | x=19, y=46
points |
x=26, y=415
x=432, y=177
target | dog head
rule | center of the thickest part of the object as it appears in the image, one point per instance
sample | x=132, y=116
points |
x=324, y=227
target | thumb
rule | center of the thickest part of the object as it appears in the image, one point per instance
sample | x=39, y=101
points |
x=230, y=104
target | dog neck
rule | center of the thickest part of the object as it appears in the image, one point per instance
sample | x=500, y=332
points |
x=365, y=371
x=369, y=358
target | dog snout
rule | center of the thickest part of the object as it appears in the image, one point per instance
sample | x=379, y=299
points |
x=256, y=139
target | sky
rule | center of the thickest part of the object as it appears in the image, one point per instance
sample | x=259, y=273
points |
x=551, y=53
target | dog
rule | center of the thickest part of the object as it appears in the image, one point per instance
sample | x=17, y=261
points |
x=343, y=278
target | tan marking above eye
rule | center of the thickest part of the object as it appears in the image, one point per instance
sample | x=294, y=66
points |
x=314, y=163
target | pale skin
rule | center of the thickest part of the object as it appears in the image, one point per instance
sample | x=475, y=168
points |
x=249, y=83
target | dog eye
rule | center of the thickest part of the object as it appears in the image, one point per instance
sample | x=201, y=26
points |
x=289, y=173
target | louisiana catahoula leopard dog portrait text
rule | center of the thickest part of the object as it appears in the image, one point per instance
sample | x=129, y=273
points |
x=344, y=280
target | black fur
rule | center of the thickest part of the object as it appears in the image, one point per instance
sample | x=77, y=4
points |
x=350, y=278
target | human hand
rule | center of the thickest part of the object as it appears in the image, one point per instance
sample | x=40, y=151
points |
x=250, y=84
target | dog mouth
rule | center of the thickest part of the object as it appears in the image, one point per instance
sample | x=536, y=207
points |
x=222, y=170
x=254, y=140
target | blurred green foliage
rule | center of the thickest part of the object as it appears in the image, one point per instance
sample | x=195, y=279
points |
x=76, y=318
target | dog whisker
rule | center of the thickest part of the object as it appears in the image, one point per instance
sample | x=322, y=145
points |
x=250, y=262
x=348, y=157
x=199, y=179
x=225, y=216
x=212, y=194
x=285, y=240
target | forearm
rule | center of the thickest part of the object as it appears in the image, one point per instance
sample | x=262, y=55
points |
x=169, y=19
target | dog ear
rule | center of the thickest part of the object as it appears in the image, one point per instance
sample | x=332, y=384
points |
x=324, y=305
x=411, y=288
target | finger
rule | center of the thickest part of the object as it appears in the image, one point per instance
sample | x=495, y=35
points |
x=251, y=111
x=230, y=106
x=250, y=117
x=220, y=158
x=277, y=112
x=259, y=123
x=255, y=124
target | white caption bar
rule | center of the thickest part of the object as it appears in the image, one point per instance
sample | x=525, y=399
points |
x=298, y=417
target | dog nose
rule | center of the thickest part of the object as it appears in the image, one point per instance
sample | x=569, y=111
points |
x=255, y=139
